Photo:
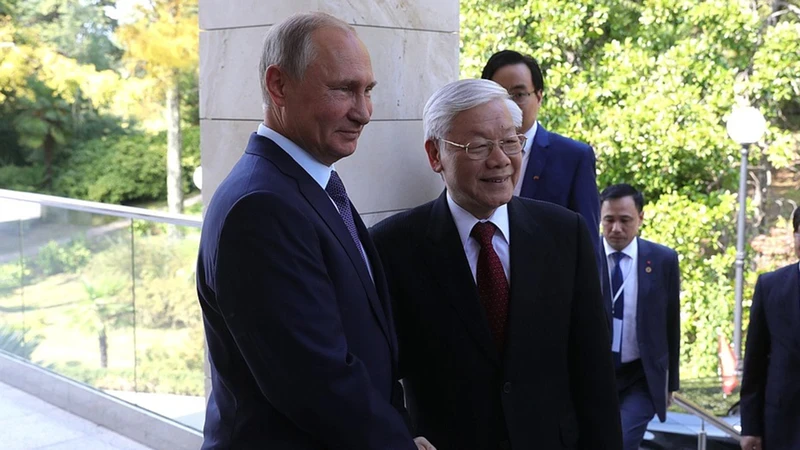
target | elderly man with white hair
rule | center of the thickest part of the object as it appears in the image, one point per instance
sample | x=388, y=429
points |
x=502, y=333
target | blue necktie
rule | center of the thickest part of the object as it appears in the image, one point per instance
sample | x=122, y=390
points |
x=618, y=306
x=336, y=190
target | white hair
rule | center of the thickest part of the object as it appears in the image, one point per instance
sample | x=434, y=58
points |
x=458, y=96
x=289, y=46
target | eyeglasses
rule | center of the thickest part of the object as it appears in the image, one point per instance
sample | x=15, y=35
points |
x=480, y=150
x=521, y=97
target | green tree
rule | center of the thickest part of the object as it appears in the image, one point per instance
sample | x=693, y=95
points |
x=650, y=84
x=78, y=29
x=46, y=98
x=163, y=44
x=105, y=310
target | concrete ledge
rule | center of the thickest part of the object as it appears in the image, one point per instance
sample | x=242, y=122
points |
x=129, y=420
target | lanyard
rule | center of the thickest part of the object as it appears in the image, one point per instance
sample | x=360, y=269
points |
x=624, y=280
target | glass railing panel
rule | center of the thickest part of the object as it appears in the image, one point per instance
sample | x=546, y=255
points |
x=678, y=431
x=702, y=403
x=79, y=296
x=708, y=393
x=14, y=215
x=169, y=331
x=105, y=295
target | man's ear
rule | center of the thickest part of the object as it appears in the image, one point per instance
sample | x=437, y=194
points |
x=539, y=95
x=276, y=82
x=434, y=157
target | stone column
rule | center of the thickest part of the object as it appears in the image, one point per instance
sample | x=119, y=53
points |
x=414, y=50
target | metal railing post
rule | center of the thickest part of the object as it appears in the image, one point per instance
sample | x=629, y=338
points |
x=701, y=436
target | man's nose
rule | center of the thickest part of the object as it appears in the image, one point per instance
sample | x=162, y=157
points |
x=497, y=157
x=362, y=109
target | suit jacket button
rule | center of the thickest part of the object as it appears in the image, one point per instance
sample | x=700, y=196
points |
x=507, y=387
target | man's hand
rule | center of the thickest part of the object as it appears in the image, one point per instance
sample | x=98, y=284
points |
x=423, y=444
x=670, y=399
x=748, y=443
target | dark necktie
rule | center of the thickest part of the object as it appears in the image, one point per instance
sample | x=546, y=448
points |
x=618, y=306
x=335, y=189
x=492, y=283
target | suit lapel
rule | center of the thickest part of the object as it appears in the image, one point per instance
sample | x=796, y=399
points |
x=539, y=153
x=445, y=257
x=605, y=285
x=644, y=279
x=383, y=308
x=790, y=294
x=322, y=204
x=530, y=278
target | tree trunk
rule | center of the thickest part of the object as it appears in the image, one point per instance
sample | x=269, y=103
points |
x=174, y=143
x=103, y=340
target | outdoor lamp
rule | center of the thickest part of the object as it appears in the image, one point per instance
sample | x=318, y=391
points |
x=746, y=125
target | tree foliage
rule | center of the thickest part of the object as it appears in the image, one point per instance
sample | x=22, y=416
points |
x=47, y=97
x=78, y=29
x=162, y=44
x=65, y=96
x=650, y=85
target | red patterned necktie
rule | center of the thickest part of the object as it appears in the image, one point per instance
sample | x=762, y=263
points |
x=492, y=283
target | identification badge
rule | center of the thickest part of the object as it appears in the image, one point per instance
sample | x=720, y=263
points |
x=616, y=345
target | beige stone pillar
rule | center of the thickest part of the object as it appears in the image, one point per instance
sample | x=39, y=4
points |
x=414, y=49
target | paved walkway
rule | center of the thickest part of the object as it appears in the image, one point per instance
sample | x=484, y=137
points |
x=28, y=423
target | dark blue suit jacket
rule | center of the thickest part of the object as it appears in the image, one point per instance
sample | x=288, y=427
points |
x=658, y=318
x=553, y=387
x=562, y=171
x=771, y=384
x=301, y=341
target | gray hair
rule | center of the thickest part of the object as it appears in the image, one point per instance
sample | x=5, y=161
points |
x=458, y=96
x=289, y=46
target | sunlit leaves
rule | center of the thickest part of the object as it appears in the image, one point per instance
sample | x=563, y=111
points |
x=649, y=84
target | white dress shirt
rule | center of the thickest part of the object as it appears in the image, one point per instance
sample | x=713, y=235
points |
x=318, y=171
x=526, y=156
x=500, y=241
x=630, y=286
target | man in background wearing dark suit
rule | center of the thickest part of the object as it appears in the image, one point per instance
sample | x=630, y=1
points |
x=503, y=340
x=295, y=304
x=771, y=378
x=641, y=286
x=554, y=168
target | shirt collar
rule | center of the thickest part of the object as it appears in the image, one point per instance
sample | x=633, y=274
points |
x=465, y=221
x=631, y=251
x=530, y=134
x=318, y=171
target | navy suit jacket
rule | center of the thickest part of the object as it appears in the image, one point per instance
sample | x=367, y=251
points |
x=770, y=392
x=300, y=340
x=658, y=318
x=562, y=171
x=553, y=387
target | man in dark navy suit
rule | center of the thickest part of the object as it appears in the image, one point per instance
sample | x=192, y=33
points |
x=771, y=379
x=502, y=331
x=554, y=168
x=641, y=286
x=295, y=305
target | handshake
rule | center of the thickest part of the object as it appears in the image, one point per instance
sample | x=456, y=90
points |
x=423, y=444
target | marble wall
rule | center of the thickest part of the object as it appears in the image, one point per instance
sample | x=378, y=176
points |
x=414, y=50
